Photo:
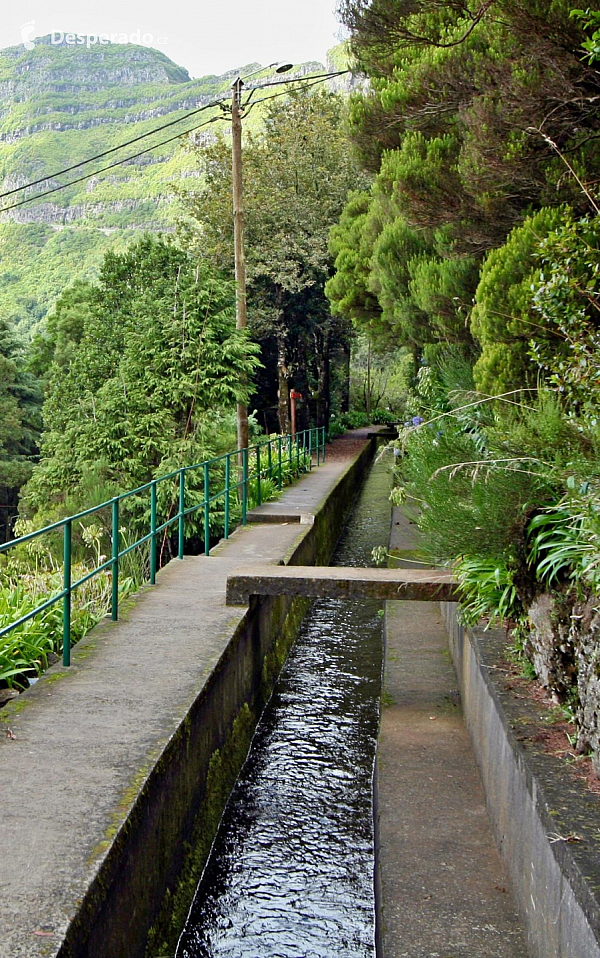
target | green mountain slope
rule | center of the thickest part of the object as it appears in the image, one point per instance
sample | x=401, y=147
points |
x=61, y=103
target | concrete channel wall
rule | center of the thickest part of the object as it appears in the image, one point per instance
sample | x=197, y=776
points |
x=546, y=830
x=171, y=809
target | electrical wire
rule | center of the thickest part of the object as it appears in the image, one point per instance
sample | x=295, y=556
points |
x=111, y=166
x=315, y=76
x=30, y=199
x=308, y=86
x=114, y=149
x=158, y=129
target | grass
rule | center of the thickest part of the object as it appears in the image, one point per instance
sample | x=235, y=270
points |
x=29, y=577
x=27, y=651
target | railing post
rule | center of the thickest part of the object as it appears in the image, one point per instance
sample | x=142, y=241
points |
x=227, y=481
x=153, y=533
x=115, y=560
x=318, y=444
x=279, y=477
x=289, y=444
x=67, y=536
x=206, y=510
x=181, y=512
x=323, y=435
x=258, y=480
x=270, y=459
x=298, y=453
x=310, y=435
x=244, y=485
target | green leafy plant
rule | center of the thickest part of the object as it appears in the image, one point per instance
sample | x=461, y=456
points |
x=590, y=20
x=268, y=491
x=516, y=654
x=555, y=545
x=563, y=541
x=487, y=590
x=381, y=417
x=27, y=649
x=336, y=428
x=30, y=575
x=354, y=419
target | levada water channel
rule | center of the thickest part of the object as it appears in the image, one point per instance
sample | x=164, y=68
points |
x=291, y=872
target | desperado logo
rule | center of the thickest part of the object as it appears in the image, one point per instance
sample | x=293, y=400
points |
x=92, y=39
x=26, y=31
x=58, y=37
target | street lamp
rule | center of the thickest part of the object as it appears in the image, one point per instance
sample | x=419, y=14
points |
x=241, y=314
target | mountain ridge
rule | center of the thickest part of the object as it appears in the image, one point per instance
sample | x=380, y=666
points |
x=60, y=104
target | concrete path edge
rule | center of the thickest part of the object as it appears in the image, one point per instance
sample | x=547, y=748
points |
x=546, y=827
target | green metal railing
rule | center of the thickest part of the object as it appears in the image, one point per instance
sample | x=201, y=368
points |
x=270, y=459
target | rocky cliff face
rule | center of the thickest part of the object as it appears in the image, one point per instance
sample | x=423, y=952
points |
x=564, y=649
x=59, y=103
x=61, y=66
x=105, y=94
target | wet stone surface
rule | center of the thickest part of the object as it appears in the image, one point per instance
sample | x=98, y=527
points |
x=291, y=872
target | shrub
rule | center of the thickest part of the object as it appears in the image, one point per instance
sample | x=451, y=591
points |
x=336, y=428
x=503, y=319
x=488, y=590
x=566, y=298
x=355, y=419
x=27, y=649
x=382, y=416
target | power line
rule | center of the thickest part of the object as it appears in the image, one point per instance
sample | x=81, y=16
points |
x=114, y=149
x=315, y=76
x=158, y=129
x=248, y=106
x=103, y=169
x=312, y=81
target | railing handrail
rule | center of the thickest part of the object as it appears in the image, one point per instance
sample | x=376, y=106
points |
x=306, y=443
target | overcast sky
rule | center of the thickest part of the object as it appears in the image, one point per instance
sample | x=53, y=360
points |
x=204, y=36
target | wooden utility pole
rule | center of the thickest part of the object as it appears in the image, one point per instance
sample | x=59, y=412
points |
x=368, y=391
x=241, y=316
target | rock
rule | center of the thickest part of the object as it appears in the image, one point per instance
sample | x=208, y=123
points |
x=6, y=695
x=585, y=631
x=550, y=646
x=564, y=648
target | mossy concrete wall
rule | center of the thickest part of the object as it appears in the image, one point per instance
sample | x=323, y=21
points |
x=546, y=830
x=142, y=890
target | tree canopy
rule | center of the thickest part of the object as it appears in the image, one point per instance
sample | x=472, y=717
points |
x=478, y=114
x=139, y=368
x=20, y=423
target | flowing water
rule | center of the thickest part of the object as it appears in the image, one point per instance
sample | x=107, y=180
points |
x=291, y=870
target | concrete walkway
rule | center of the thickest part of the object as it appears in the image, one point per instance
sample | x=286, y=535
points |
x=75, y=748
x=443, y=887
